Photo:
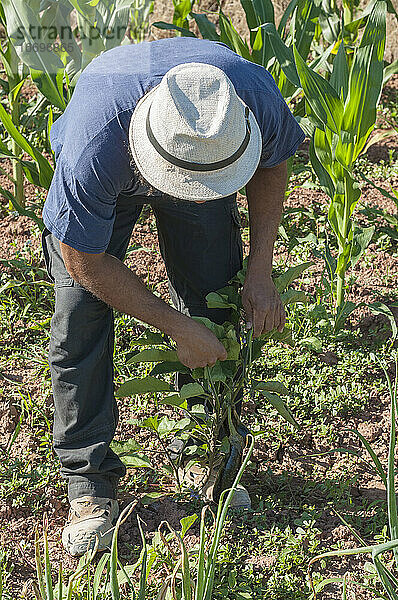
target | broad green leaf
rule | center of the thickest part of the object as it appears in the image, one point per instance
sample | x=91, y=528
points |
x=325, y=180
x=292, y=273
x=257, y=13
x=190, y=390
x=329, y=21
x=232, y=347
x=305, y=17
x=271, y=386
x=231, y=37
x=136, y=461
x=169, y=367
x=323, y=150
x=365, y=83
x=320, y=95
x=277, y=402
x=143, y=385
x=340, y=75
x=174, y=400
x=312, y=343
x=186, y=523
x=217, y=300
x=207, y=29
x=45, y=169
x=293, y=296
x=125, y=447
x=153, y=355
x=166, y=426
x=22, y=22
x=379, y=308
x=283, y=53
x=361, y=240
x=218, y=330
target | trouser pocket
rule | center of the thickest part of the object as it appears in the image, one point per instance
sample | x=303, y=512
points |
x=53, y=260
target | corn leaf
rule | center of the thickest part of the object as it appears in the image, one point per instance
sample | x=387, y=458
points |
x=207, y=29
x=365, y=86
x=170, y=27
x=340, y=74
x=305, y=18
x=22, y=20
x=257, y=13
x=231, y=37
x=283, y=53
x=45, y=169
x=320, y=95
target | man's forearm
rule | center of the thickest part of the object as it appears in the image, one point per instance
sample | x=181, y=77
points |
x=110, y=280
x=265, y=195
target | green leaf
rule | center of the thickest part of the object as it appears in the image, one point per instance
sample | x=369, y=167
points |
x=190, y=390
x=312, y=343
x=320, y=95
x=291, y=274
x=136, y=461
x=379, y=308
x=217, y=300
x=257, y=13
x=325, y=180
x=125, y=447
x=280, y=406
x=231, y=37
x=340, y=75
x=207, y=29
x=271, y=386
x=283, y=53
x=22, y=22
x=153, y=355
x=186, y=523
x=361, y=240
x=142, y=386
x=174, y=400
x=232, y=347
x=170, y=27
x=365, y=84
x=169, y=367
x=46, y=171
x=293, y=296
x=305, y=18
x=218, y=330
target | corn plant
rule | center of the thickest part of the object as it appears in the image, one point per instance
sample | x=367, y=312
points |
x=387, y=574
x=209, y=400
x=341, y=114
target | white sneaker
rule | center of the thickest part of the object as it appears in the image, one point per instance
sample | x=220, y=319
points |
x=90, y=519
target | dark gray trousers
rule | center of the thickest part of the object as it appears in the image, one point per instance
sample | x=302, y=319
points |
x=202, y=249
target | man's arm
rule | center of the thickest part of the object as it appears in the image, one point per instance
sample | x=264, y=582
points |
x=110, y=280
x=261, y=301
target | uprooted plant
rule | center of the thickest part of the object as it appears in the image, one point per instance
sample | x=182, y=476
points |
x=211, y=428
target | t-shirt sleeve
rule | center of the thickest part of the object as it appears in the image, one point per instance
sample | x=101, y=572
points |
x=80, y=206
x=280, y=131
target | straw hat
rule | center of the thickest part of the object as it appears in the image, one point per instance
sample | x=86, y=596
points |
x=192, y=137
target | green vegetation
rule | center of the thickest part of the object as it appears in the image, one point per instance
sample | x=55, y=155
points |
x=323, y=492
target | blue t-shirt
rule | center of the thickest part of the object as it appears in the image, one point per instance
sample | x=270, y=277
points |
x=91, y=139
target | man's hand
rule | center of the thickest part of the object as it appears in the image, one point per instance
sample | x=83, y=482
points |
x=263, y=306
x=197, y=346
